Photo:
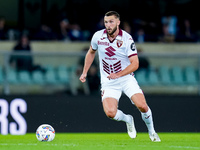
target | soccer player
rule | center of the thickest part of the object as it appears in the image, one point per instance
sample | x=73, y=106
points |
x=118, y=60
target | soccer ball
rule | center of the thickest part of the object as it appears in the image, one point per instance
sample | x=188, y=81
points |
x=45, y=133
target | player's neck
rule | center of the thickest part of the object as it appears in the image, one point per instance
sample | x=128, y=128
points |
x=114, y=35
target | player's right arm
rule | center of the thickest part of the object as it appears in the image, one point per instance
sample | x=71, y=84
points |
x=89, y=58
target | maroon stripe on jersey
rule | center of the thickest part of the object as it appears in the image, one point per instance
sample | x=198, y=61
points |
x=118, y=71
x=106, y=71
x=131, y=55
x=105, y=62
x=105, y=65
x=118, y=66
x=106, y=68
x=117, y=63
x=120, y=32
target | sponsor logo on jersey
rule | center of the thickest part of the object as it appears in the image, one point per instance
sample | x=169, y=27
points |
x=103, y=43
x=147, y=117
x=130, y=39
x=110, y=51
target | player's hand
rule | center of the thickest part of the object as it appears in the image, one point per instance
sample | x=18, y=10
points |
x=83, y=78
x=113, y=76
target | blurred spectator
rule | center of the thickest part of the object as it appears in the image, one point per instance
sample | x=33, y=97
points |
x=145, y=30
x=23, y=62
x=127, y=27
x=45, y=33
x=63, y=31
x=2, y=28
x=12, y=34
x=185, y=33
x=75, y=33
x=169, y=28
x=100, y=24
x=93, y=77
x=140, y=36
x=69, y=32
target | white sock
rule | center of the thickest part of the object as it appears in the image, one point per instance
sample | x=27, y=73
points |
x=120, y=116
x=148, y=119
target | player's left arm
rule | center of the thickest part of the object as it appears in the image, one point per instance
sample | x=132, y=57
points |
x=129, y=69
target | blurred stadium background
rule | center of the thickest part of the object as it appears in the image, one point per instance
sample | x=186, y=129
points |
x=166, y=33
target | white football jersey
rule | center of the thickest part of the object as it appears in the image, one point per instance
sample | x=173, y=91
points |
x=113, y=55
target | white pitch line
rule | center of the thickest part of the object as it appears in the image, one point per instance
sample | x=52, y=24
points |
x=74, y=145
x=35, y=144
x=173, y=146
x=185, y=147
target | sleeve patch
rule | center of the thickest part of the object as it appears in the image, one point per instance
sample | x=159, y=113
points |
x=133, y=46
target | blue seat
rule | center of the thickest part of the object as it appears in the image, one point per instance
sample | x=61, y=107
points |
x=141, y=77
x=153, y=77
x=164, y=73
x=177, y=75
x=24, y=77
x=191, y=75
x=63, y=74
x=49, y=67
x=12, y=76
x=38, y=77
x=50, y=77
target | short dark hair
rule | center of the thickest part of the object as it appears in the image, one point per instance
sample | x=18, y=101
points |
x=113, y=13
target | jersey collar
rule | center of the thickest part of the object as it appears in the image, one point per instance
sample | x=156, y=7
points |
x=119, y=36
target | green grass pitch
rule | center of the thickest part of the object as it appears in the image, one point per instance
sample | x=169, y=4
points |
x=103, y=141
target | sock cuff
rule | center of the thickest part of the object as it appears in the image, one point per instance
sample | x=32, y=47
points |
x=147, y=113
x=118, y=114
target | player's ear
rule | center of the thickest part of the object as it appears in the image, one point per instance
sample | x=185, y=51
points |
x=118, y=23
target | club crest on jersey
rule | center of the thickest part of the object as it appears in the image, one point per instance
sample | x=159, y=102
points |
x=119, y=43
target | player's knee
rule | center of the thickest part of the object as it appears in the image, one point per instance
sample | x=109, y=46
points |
x=143, y=108
x=110, y=113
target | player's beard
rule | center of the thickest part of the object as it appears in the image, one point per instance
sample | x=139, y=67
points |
x=113, y=31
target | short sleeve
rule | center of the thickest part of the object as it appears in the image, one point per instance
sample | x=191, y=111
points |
x=94, y=42
x=131, y=47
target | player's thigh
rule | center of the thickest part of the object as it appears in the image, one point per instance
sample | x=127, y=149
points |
x=110, y=106
x=140, y=102
x=110, y=97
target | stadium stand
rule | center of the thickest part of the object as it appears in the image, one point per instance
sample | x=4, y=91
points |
x=24, y=77
x=161, y=77
x=168, y=72
x=12, y=76
x=50, y=77
x=1, y=75
x=165, y=76
x=191, y=76
x=177, y=75
x=38, y=77
x=153, y=77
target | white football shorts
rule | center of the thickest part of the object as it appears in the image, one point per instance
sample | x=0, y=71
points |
x=127, y=84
